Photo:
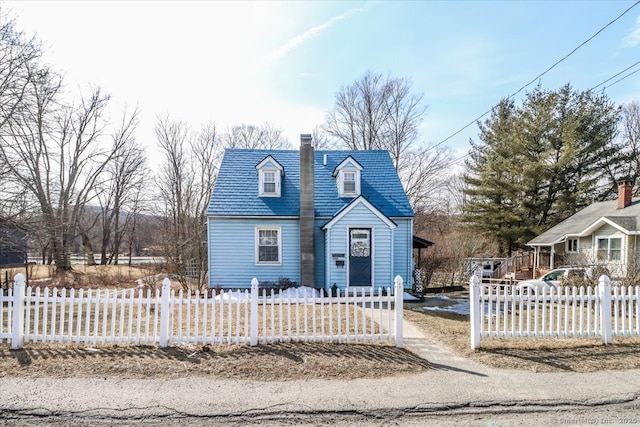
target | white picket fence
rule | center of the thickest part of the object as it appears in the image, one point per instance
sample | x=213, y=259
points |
x=603, y=311
x=165, y=317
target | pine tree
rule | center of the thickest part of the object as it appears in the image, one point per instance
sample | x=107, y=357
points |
x=539, y=163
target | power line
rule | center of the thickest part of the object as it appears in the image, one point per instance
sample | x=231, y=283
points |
x=614, y=76
x=453, y=162
x=541, y=74
x=621, y=78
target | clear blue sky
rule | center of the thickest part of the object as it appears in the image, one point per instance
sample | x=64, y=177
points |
x=283, y=62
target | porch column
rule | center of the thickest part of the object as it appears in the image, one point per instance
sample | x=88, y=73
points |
x=551, y=260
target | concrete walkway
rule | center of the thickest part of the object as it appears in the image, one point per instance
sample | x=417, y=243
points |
x=418, y=342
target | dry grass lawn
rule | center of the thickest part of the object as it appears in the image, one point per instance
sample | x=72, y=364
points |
x=289, y=361
x=537, y=355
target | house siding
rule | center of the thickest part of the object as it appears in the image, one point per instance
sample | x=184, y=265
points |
x=320, y=250
x=616, y=269
x=336, y=239
x=232, y=252
x=633, y=266
x=403, y=250
x=585, y=242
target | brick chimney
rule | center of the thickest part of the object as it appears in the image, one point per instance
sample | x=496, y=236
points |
x=625, y=189
x=307, y=254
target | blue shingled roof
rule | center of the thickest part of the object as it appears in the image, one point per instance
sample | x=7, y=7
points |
x=236, y=190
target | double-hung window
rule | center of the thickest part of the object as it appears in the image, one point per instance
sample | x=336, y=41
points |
x=268, y=245
x=269, y=182
x=610, y=249
x=349, y=183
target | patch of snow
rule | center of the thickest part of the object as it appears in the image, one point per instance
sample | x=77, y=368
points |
x=301, y=292
x=233, y=296
x=446, y=304
x=460, y=308
x=409, y=297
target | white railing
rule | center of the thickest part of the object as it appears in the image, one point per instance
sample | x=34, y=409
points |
x=506, y=312
x=166, y=317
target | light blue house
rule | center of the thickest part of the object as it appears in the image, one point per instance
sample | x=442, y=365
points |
x=322, y=219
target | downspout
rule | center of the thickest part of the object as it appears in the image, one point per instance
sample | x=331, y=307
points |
x=328, y=260
x=210, y=281
x=393, y=244
x=409, y=279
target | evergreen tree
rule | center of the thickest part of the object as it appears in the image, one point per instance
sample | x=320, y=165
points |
x=538, y=163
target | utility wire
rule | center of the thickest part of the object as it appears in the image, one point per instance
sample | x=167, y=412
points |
x=541, y=74
x=622, y=78
x=455, y=161
x=614, y=76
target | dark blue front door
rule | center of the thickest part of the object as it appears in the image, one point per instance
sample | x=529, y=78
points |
x=359, y=257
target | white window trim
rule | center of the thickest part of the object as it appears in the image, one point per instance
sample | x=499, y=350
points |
x=608, y=239
x=568, y=246
x=341, y=183
x=276, y=173
x=257, y=246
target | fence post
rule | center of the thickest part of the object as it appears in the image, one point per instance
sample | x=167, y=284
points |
x=17, y=327
x=399, y=298
x=254, y=312
x=604, y=292
x=164, y=313
x=474, y=312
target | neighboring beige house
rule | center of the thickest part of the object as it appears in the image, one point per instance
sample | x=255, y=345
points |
x=605, y=234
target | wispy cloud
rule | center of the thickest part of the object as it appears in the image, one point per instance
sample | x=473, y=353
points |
x=633, y=38
x=311, y=33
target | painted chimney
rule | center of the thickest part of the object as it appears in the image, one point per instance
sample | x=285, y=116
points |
x=307, y=254
x=625, y=189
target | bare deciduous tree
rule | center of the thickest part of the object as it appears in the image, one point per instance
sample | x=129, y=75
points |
x=122, y=182
x=629, y=146
x=185, y=181
x=376, y=113
x=54, y=151
x=425, y=176
x=18, y=54
x=380, y=112
x=265, y=136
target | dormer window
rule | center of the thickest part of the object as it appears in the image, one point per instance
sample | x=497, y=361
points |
x=349, y=183
x=269, y=182
x=347, y=176
x=270, y=173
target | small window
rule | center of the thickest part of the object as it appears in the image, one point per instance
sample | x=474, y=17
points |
x=572, y=245
x=269, y=183
x=268, y=246
x=349, y=183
